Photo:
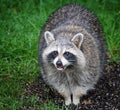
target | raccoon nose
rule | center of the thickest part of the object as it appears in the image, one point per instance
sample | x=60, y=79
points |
x=59, y=63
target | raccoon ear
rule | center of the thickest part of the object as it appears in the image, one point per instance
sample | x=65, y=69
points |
x=49, y=37
x=77, y=39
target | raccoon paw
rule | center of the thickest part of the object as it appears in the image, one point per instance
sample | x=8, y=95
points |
x=75, y=101
x=67, y=101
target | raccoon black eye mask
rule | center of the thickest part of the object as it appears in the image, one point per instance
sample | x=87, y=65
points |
x=67, y=55
x=70, y=57
x=64, y=66
x=52, y=56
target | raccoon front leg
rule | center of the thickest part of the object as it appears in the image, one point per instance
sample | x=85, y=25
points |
x=77, y=93
x=67, y=96
x=68, y=100
x=76, y=99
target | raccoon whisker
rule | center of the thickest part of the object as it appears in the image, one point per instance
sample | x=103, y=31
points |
x=72, y=60
x=50, y=61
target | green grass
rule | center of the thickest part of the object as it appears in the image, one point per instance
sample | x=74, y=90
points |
x=20, y=25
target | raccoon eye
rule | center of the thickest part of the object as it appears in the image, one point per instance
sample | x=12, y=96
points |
x=54, y=54
x=70, y=57
x=67, y=53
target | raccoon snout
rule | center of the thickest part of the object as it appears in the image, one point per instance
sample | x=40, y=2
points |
x=59, y=65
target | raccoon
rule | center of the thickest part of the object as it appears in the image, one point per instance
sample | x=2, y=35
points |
x=72, y=52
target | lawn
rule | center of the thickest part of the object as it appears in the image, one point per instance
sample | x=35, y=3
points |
x=20, y=25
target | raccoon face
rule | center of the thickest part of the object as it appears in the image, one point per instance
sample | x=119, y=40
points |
x=61, y=60
x=62, y=52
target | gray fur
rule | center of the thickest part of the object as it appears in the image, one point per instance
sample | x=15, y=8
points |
x=64, y=24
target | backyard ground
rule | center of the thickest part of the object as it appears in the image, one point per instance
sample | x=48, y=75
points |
x=21, y=87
